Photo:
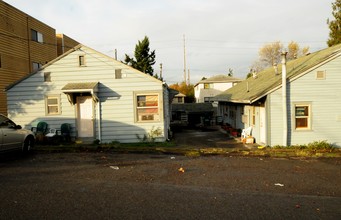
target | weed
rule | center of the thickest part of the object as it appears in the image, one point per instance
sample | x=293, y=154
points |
x=151, y=136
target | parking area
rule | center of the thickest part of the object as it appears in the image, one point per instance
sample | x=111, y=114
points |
x=212, y=137
x=140, y=186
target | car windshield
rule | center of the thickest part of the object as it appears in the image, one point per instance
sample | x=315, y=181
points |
x=5, y=122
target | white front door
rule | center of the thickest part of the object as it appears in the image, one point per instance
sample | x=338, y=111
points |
x=85, y=123
x=262, y=122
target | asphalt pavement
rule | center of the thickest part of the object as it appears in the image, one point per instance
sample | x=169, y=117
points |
x=136, y=186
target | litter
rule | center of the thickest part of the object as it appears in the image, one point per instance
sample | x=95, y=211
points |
x=279, y=184
x=114, y=167
x=181, y=170
x=172, y=158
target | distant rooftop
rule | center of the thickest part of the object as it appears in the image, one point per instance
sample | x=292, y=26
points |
x=220, y=79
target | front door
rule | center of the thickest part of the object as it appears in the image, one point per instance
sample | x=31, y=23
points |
x=85, y=123
x=262, y=121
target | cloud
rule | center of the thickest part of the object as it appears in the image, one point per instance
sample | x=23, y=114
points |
x=219, y=34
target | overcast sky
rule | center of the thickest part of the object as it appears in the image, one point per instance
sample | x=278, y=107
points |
x=219, y=34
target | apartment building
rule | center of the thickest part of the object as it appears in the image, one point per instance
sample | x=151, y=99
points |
x=25, y=45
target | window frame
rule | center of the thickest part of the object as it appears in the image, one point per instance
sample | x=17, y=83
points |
x=137, y=107
x=118, y=73
x=47, y=105
x=47, y=77
x=36, y=66
x=307, y=117
x=81, y=60
x=36, y=36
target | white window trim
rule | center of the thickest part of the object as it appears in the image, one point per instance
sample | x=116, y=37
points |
x=58, y=104
x=309, y=117
x=160, y=108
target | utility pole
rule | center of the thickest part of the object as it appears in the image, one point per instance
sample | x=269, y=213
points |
x=160, y=70
x=188, y=78
x=185, y=60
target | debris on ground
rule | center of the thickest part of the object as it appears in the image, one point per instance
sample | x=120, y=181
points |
x=181, y=170
x=279, y=184
x=114, y=167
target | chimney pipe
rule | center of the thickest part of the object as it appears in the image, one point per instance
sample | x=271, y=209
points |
x=284, y=99
x=276, y=68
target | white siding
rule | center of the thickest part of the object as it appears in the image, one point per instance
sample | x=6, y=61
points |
x=26, y=100
x=325, y=98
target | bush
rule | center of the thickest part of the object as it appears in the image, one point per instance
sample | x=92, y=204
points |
x=320, y=145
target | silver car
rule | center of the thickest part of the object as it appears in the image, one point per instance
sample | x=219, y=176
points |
x=13, y=137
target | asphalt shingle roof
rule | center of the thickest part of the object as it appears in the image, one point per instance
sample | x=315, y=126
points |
x=252, y=89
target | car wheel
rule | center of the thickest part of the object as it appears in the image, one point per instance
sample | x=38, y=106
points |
x=28, y=144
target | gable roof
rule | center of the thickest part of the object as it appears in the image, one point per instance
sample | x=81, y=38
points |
x=219, y=79
x=78, y=47
x=253, y=89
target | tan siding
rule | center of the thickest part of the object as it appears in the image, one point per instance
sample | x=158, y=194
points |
x=17, y=51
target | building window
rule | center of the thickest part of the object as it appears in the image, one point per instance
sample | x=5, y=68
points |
x=207, y=99
x=37, y=36
x=207, y=85
x=47, y=77
x=52, y=104
x=35, y=66
x=118, y=73
x=147, y=108
x=302, y=116
x=320, y=75
x=81, y=60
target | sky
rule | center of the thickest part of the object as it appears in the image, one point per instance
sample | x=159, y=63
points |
x=212, y=35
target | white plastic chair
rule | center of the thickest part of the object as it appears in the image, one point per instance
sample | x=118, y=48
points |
x=246, y=132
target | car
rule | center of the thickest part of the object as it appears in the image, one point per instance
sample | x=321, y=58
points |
x=13, y=137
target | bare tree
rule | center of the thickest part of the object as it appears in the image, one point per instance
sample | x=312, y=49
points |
x=270, y=54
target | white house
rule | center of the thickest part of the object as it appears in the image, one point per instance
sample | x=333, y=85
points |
x=306, y=109
x=205, y=89
x=99, y=96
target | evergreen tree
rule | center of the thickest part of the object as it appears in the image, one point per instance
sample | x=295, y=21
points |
x=144, y=59
x=335, y=25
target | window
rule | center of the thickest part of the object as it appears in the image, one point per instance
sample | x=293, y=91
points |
x=320, y=75
x=81, y=60
x=52, y=105
x=118, y=73
x=35, y=66
x=47, y=77
x=37, y=36
x=147, y=108
x=302, y=117
x=207, y=85
x=207, y=99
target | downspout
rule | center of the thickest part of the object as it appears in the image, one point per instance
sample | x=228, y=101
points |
x=99, y=121
x=284, y=99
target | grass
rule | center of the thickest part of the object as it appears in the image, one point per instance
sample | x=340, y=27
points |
x=315, y=149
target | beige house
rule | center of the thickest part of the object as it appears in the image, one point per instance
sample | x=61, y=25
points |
x=102, y=98
x=179, y=98
x=25, y=45
x=206, y=89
